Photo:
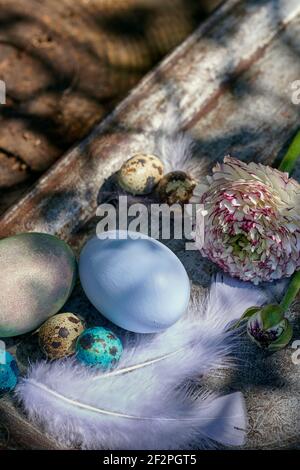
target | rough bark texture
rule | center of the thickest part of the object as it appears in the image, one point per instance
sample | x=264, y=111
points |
x=66, y=64
x=231, y=84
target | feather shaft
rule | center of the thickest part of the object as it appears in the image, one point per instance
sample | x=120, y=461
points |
x=114, y=413
x=135, y=367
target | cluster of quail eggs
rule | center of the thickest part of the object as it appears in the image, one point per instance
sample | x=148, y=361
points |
x=143, y=174
x=62, y=336
x=65, y=335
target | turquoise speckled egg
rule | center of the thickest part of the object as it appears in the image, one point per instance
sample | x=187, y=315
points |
x=9, y=373
x=99, y=347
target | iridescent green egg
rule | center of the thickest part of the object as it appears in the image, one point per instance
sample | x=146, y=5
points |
x=37, y=276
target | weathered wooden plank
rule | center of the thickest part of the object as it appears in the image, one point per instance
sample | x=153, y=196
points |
x=231, y=84
x=196, y=76
x=67, y=64
x=23, y=432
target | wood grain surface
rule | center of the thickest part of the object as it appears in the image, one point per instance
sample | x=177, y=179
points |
x=231, y=83
x=67, y=63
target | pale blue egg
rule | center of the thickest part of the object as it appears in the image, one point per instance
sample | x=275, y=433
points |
x=137, y=283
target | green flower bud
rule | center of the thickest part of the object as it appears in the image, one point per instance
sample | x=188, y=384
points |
x=269, y=329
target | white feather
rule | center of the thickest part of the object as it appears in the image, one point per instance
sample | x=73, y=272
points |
x=145, y=403
x=229, y=298
x=176, y=148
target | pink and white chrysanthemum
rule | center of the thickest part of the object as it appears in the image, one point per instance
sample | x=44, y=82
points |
x=252, y=222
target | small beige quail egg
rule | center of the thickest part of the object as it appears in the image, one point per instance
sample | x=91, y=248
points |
x=58, y=335
x=140, y=174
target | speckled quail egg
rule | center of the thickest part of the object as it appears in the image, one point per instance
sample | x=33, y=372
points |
x=58, y=336
x=99, y=347
x=140, y=174
x=176, y=187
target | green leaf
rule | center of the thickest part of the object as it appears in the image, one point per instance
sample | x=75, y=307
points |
x=246, y=315
x=291, y=292
x=271, y=315
x=288, y=162
x=283, y=339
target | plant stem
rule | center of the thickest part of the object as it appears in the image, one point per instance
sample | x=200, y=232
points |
x=289, y=160
x=287, y=164
x=291, y=292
